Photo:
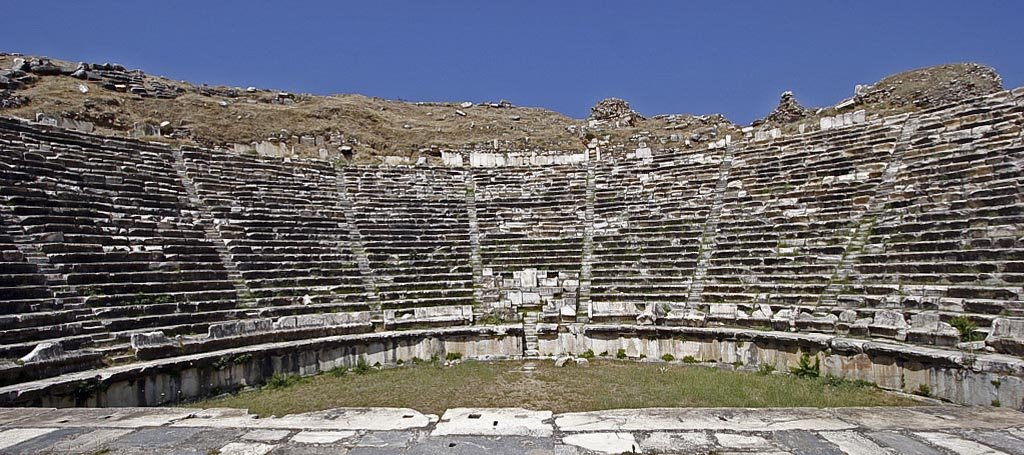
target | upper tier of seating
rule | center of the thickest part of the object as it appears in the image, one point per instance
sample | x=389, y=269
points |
x=113, y=221
x=284, y=227
x=415, y=228
x=949, y=237
x=649, y=216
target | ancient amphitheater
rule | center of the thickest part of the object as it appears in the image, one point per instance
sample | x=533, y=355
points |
x=889, y=247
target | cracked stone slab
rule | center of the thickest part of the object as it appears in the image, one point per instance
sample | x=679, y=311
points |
x=61, y=441
x=105, y=417
x=392, y=439
x=321, y=437
x=744, y=442
x=686, y=442
x=931, y=418
x=169, y=439
x=468, y=445
x=695, y=419
x=613, y=443
x=853, y=443
x=266, y=435
x=957, y=445
x=245, y=448
x=903, y=444
x=10, y=416
x=371, y=419
x=494, y=422
x=999, y=440
x=805, y=443
x=15, y=436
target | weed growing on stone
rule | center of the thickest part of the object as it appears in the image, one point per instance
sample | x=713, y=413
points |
x=805, y=369
x=362, y=367
x=281, y=381
x=968, y=329
x=923, y=390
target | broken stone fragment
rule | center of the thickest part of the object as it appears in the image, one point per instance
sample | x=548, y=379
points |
x=889, y=324
x=1007, y=336
x=927, y=327
x=44, y=352
x=149, y=339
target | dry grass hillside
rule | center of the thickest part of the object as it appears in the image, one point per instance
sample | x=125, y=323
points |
x=371, y=128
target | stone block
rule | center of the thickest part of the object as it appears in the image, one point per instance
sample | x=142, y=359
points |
x=1007, y=336
x=45, y=352
x=889, y=324
x=928, y=328
x=239, y=328
x=149, y=339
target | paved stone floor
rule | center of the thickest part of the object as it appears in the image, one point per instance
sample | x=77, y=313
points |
x=498, y=431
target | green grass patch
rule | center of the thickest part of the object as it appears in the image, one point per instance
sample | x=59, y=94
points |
x=606, y=384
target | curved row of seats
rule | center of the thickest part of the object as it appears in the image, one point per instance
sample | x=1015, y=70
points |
x=106, y=239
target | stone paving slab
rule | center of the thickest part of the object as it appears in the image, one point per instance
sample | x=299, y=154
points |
x=105, y=417
x=683, y=419
x=374, y=419
x=932, y=430
x=494, y=422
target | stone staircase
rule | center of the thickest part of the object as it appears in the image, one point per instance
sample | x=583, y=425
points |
x=587, y=266
x=707, y=238
x=875, y=208
x=531, y=346
x=480, y=295
x=356, y=244
x=207, y=223
x=66, y=297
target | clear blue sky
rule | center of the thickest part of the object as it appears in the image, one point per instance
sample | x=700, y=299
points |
x=664, y=57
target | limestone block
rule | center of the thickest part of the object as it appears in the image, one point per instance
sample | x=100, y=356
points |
x=783, y=320
x=1007, y=336
x=567, y=310
x=685, y=317
x=848, y=316
x=515, y=297
x=612, y=310
x=149, y=339
x=928, y=328
x=45, y=352
x=321, y=320
x=826, y=123
x=889, y=324
x=528, y=278
x=650, y=315
x=723, y=312
x=810, y=322
x=531, y=298
x=240, y=328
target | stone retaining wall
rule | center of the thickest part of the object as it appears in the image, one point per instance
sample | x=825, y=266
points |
x=956, y=376
x=191, y=377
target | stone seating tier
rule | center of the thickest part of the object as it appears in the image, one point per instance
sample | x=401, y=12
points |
x=891, y=228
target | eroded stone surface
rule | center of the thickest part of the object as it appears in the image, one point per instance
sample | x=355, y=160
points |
x=929, y=430
x=494, y=421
